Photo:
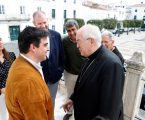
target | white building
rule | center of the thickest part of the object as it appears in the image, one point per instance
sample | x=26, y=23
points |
x=15, y=15
x=136, y=12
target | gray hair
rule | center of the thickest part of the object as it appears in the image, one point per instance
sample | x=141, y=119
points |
x=108, y=33
x=71, y=23
x=91, y=31
x=38, y=13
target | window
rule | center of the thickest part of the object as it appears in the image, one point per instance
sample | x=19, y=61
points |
x=143, y=17
x=135, y=10
x=144, y=10
x=64, y=30
x=53, y=27
x=108, y=15
x=22, y=9
x=2, y=9
x=135, y=17
x=114, y=16
x=74, y=13
x=53, y=13
x=65, y=12
x=74, y=1
x=39, y=8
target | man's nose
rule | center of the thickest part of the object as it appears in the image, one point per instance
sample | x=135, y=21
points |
x=42, y=25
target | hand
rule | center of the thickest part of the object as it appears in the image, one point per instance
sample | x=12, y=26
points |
x=3, y=90
x=67, y=105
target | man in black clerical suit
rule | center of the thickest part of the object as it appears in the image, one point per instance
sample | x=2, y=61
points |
x=99, y=87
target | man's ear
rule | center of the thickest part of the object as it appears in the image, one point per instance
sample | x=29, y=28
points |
x=92, y=40
x=32, y=47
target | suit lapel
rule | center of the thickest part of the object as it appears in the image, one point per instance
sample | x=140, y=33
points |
x=86, y=73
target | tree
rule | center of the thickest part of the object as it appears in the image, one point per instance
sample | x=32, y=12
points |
x=109, y=23
x=139, y=23
x=98, y=23
x=126, y=24
x=79, y=20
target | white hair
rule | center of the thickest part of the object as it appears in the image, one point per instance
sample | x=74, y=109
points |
x=108, y=33
x=91, y=31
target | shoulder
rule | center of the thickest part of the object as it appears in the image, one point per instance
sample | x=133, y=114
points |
x=65, y=38
x=109, y=57
x=116, y=50
x=53, y=32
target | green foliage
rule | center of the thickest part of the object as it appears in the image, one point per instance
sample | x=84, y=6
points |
x=98, y=23
x=138, y=23
x=106, y=23
x=79, y=20
x=109, y=23
x=132, y=23
x=126, y=23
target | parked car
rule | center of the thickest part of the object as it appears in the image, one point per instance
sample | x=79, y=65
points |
x=118, y=31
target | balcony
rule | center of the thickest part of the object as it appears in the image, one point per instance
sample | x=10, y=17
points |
x=14, y=17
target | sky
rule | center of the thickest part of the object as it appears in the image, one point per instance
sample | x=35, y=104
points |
x=127, y=2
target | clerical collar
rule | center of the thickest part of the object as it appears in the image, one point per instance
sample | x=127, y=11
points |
x=92, y=56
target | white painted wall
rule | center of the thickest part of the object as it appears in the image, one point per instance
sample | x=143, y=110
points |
x=12, y=9
x=140, y=12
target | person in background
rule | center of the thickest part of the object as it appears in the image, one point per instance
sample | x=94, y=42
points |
x=6, y=60
x=99, y=87
x=54, y=66
x=27, y=95
x=109, y=41
x=73, y=60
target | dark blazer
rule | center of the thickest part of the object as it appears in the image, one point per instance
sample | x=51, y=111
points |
x=53, y=66
x=118, y=53
x=99, y=88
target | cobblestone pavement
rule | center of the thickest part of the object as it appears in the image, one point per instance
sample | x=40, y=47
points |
x=127, y=44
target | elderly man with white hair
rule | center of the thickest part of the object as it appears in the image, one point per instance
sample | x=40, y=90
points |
x=109, y=41
x=98, y=91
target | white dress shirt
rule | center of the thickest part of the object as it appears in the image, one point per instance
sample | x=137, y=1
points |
x=36, y=65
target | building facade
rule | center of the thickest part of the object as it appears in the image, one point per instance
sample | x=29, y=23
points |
x=136, y=12
x=15, y=15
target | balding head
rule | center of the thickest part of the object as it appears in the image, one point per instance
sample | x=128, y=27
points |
x=40, y=20
x=88, y=39
x=91, y=31
x=38, y=13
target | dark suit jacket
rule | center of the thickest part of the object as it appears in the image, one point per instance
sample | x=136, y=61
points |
x=53, y=66
x=99, y=88
x=118, y=53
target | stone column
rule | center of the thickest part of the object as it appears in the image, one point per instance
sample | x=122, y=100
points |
x=133, y=88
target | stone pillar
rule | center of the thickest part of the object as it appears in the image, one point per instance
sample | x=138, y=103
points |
x=133, y=88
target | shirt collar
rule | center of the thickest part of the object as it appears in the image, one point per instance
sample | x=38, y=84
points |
x=36, y=65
